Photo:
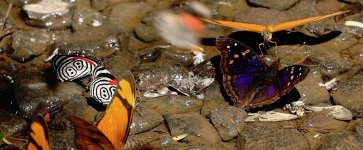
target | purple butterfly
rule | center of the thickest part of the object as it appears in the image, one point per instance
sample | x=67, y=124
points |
x=249, y=81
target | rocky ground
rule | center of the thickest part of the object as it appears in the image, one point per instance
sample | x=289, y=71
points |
x=28, y=85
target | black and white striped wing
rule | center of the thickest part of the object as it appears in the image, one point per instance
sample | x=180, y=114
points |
x=70, y=68
x=103, y=85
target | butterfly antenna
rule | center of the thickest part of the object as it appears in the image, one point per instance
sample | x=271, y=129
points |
x=278, y=59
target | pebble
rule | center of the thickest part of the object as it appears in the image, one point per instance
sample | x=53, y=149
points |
x=271, y=134
x=213, y=99
x=195, y=125
x=322, y=123
x=126, y=16
x=52, y=14
x=29, y=43
x=34, y=94
x=310, y=90
x=347, y=94
x=85, y=17
x=279, y=5
x=145, y=119
x=261, y=16
x=341, y=140
x=172, y=104
x=229, y=121
x=147, y=33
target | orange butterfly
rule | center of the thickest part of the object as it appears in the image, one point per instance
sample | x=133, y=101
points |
x=113, y=129
x=266, y=31
x=39, y=138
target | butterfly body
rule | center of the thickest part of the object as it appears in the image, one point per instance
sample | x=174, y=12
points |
x=249, y=81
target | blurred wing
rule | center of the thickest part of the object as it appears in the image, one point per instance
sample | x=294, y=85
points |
x=39, y=138
x=283, y=83
x=292, y=24
x=115, y=124
x=237, y=25
x=239, y=65
x=88, y=137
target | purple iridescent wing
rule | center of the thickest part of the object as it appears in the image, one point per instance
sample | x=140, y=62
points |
x=281, y=84
x=239, y=65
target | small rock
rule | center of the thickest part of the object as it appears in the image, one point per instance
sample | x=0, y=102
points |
x=145, y=119
x=213, y=99
x=121, y=62
x=228, y=121
x=309, y=89
x=29, y=43
x=176, y=55
x=172, y=104
x=85, y=17
x=11, y=124
x=227, y=8
x=48, y=13
x=150, y=54
x=146, y=33
x=155, y=76
x=83, y=42
x=290, y=55
x=348, y=95
x=261, y=16
x=279, y=5
x=126, y=16
x=271, y=134
x=104, y=4
x=322, y=123
x=341, y=140
x=34, y=93
x=331, y=63
x=195, y=125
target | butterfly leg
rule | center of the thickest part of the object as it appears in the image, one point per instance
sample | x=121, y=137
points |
x=259, y=47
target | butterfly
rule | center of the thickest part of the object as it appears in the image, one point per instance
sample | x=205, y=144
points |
x=113, y=129
x=266, y=31
x=39, y=137
x=69, y=68
x=249, y=81
x=103, y=85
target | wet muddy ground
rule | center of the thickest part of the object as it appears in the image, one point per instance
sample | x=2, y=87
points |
x=121, y=33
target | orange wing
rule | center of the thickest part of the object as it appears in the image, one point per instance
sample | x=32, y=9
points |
x=237, y=25
x=88, y=137
x=115, y=124
x=39, y=138
x=292, y=24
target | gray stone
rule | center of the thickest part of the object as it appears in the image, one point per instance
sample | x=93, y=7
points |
x=126, y=16
x=195, y=125
x=341, y=140
x=271, y=135
x=29, y=43
x=309, y=89
x=228, y=121
x=146, y=33
x=173, y=104
x=280, y=5
x=348, y=94
x=145, y=119
x=85, y=17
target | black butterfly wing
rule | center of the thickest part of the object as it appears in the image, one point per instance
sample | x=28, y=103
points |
x=89, y=137
x=281, y=84
x=239, y=65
